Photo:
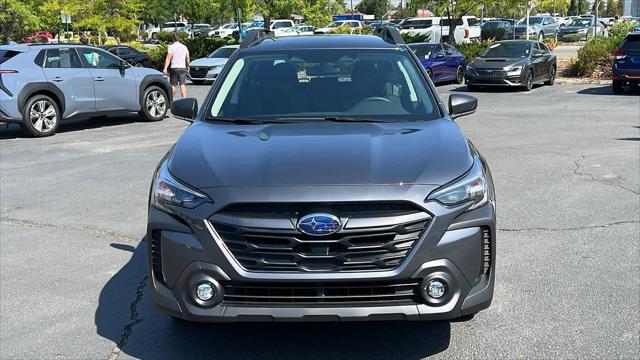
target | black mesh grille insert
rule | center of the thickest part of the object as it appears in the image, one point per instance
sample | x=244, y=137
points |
x=156, y=258
x=321, y=294
x=486, y=250
x=373, y=237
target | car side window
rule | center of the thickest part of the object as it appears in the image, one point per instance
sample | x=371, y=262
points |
x=439, y=50
x=62, y=58
x=448, y=50
x=98, y=59
x=544, y=48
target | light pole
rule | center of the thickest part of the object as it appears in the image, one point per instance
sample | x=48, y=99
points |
x=351, y=9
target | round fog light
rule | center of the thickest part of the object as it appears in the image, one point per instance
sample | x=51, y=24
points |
x=436, y=289
x=205, y=291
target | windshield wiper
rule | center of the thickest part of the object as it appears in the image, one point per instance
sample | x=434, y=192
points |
x=244, y=121
x=334, y=119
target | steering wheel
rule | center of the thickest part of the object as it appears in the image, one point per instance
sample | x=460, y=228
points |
x=375, y=98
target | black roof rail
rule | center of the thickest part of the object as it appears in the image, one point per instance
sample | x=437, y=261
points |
x=255, y=36
x=389, y=34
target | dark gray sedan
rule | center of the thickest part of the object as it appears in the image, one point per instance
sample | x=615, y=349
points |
x=515, y=63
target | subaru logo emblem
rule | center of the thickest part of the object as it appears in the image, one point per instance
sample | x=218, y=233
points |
x=319, y=224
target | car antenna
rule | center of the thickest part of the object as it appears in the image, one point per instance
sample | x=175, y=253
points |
x=255, y=36
x=390, y=34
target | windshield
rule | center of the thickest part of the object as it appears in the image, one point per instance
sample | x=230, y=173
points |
x=335, y=24
x=223, y=52
x=532, y=21
x=507, y=50
x=580, y=23
x=382, y=85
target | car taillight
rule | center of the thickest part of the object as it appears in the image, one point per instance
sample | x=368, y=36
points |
x=466, y=33
x=618, y=54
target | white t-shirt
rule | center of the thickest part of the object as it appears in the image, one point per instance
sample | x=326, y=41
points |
x=179, y=59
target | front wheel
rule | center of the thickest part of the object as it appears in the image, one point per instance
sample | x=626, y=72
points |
x=154, y=104
x=528, y=82
x=552, y=76
x=460, y=75
x=40, y=116
x=618, y=87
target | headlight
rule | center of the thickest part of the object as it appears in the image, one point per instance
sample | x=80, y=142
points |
x=514, y=68
x=472, y=187
x=169, y=191
x=470, y=68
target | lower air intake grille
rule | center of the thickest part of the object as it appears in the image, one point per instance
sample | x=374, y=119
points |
x=321, y=294
x=486, y=250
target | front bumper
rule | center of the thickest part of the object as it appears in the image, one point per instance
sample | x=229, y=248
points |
x=451, y=247
x=502, y=78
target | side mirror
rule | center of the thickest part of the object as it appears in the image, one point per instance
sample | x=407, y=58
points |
x=185, y=109
x=123, y=64
x=461, y=105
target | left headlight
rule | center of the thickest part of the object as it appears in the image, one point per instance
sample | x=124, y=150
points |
x=167, y=191
x=472, y=187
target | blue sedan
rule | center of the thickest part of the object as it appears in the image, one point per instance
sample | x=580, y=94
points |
x=443, y=62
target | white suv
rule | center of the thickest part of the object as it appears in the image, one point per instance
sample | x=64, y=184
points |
x=467, y=28
x=279, y=26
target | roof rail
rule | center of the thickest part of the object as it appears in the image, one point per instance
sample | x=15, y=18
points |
x=255, y=36
x=389, y=34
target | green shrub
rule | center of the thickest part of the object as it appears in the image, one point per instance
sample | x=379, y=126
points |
x=594, y=57
x=570, y=38
x=620, y=29
x=473, y=49
x=165, y=37
x=419, y=38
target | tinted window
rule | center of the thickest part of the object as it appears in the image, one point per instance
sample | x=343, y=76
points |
x=61, y=58
x=532, y=21
x=473, y=22
x=418, y=24
x=508, y=50
x=632, y=42
x=445, y=22
x=315, y=84
x=449, y=50
x=580, y=22
x=422, y=51
x=7, y=54
x=99, y=59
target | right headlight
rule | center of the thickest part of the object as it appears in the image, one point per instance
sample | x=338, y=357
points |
x=471, y=187
x=168, y=192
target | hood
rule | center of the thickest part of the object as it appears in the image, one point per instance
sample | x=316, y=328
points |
x=497, y=63
x=213, y=155
x=208, y=62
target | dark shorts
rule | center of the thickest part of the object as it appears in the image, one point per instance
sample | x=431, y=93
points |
x=178, y=77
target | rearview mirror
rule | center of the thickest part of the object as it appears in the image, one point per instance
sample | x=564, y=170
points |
x=461, y=105
x=185, y=109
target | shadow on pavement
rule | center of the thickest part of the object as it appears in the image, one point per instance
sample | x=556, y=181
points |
x=607, y=90
x=12, y=131
x=125, y=316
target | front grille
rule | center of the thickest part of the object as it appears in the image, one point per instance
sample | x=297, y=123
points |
x=486, y=250
x=198, y=72
x=293, y=294
x=492, y=73
x=373, y=237
x=156, y=255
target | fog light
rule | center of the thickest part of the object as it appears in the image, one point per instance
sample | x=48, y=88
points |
x=436, y=289
x=205, y=291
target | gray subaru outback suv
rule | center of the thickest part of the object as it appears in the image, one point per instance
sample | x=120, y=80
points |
x=322, y=179
x=42, y=85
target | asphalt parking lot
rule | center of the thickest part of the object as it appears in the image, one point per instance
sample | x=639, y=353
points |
x=566, y=161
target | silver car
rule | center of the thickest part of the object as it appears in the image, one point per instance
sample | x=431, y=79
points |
x=42, y=85
x=207, y=69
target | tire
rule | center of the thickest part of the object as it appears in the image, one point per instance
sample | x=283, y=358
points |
x=197, y=82
x=528, y=82
x=552, y=76
x=155, y=104
x=460, y=75
x=40, y=116
x=617, y=86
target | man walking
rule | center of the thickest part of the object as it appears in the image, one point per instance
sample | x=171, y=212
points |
x=178, y=58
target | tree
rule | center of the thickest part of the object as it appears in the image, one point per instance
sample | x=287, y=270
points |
x=378, y=8
x=455, y=10
x=17, y=19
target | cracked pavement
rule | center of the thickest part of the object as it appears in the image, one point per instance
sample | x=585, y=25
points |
x=566, y=161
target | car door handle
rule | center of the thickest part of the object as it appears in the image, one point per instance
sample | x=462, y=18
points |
x=57, y=79
x=99, y=78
